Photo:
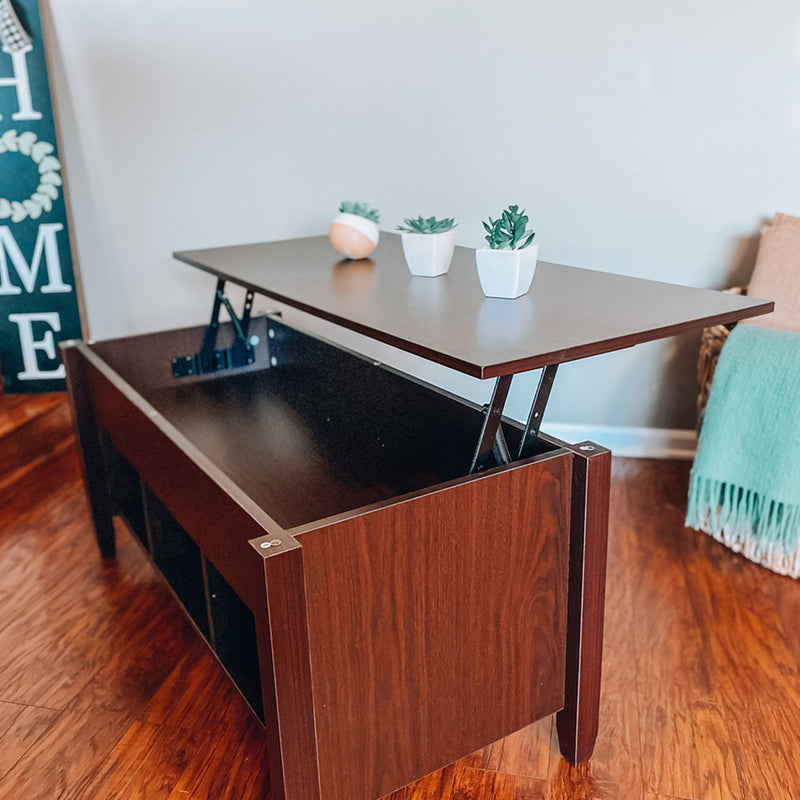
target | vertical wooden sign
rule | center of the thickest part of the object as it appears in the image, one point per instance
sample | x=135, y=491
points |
x=38, y=297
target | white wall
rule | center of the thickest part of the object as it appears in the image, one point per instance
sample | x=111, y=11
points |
x=647, y=139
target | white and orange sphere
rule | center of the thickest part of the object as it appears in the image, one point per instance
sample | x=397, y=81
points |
x=353, y=236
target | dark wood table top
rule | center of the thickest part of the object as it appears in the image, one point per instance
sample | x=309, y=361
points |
x=569, y=313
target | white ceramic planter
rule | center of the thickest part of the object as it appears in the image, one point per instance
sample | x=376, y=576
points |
x=429, y=254
x=353, y=236
x=506, y=273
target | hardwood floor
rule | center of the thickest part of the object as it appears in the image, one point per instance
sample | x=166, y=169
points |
x=106, y=691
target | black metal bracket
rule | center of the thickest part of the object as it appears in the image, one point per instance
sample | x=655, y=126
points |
x=491, y=443
x=209, y=359
x=528, y=443
x=492, y=449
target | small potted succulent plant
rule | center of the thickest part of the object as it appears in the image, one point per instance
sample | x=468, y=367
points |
x=506, y=266
x=428, y=244
x=354, y=231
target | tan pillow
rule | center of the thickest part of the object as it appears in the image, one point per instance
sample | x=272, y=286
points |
x=777, y=273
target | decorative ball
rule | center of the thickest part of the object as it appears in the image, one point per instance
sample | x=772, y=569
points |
x=353, y=236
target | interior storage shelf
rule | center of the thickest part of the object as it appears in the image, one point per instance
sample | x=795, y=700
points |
x=321, y=432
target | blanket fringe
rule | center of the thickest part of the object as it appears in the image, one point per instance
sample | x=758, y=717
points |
x=760, y=528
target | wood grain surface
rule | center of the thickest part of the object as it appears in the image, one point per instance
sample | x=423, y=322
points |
x=568, y=313
x=107, y=691
x=436, y=625
x=31, y=432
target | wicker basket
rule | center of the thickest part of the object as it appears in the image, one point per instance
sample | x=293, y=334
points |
x=710, y=348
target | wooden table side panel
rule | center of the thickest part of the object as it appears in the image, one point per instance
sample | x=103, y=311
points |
x=219, y=526
x=437, y=625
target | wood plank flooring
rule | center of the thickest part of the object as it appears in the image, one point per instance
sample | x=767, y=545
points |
x=106, y=691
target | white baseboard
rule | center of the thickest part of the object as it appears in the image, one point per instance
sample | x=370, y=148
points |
x=630, y=442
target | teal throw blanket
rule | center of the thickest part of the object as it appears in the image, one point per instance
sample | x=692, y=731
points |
x=745, y=482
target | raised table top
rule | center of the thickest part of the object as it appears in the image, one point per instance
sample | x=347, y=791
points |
x=569, y=313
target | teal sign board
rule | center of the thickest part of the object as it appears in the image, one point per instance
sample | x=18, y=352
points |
x=38, y=298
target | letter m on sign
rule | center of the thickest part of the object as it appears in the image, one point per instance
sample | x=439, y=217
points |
x=47, y=246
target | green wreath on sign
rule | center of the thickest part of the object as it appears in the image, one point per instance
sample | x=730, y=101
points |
x=46, y=192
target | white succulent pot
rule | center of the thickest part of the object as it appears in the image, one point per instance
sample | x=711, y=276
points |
x=506, y=273
x=353, y=236
x=429, y=254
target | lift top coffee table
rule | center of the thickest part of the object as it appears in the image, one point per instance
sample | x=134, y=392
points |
x=393, y=576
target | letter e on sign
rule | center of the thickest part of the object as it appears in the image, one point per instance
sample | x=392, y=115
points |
x=31, y=345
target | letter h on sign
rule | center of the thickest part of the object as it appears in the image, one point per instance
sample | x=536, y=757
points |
x=16, y=43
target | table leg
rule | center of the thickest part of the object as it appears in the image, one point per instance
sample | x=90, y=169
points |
x=91, y=455
x=286, y=679
x=577, y=722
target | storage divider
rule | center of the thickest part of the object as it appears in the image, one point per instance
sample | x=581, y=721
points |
x=233, y=631
x=179, y=560
x=125, y=489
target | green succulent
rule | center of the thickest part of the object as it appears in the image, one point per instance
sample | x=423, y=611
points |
x=360, y=209
x=508, y=232
x=429, y=225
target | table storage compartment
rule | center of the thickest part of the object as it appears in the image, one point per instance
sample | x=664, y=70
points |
x=384, y=609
